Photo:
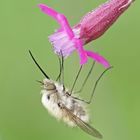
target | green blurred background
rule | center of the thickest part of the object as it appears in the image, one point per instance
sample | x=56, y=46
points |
x=115, y=109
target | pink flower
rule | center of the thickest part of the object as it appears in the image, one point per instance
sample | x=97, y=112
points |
x=66, y=39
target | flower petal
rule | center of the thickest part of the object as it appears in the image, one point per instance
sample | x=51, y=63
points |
x=60, y=18
x=81, y=51
x=98, y=58
x=47, y=10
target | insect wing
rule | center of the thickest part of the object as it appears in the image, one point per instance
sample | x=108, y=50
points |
x=83, y=125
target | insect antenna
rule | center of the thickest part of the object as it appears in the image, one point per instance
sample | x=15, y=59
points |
x=38, y=65
x=96, y=83
x=75, y=80
x=85, y=81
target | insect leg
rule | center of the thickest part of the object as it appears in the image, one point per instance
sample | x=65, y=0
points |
x=96, y=83
x=62, y=68
x=58, y=77
x=93, y=91
x=61, y=73
x=80, y=99
x=76, y=79
x=89, y=73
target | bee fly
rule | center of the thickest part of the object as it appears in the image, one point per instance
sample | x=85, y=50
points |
x=60, y=103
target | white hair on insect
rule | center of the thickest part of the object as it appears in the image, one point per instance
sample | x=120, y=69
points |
x=52, y=98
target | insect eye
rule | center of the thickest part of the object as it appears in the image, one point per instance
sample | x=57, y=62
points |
x=59, y=105
x=48, y=97
x=50, y=87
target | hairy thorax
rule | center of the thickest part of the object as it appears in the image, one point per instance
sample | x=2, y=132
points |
x=55, y=97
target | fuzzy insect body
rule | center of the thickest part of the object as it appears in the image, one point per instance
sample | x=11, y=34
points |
x=60, y=103
x=65, y=107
